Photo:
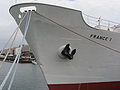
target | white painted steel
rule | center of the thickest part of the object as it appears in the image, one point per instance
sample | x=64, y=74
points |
x=51, y=27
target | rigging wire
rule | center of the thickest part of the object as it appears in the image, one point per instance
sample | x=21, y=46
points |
x=21, y=45
x=17, y=57
x=78, y=34
x=14, y=33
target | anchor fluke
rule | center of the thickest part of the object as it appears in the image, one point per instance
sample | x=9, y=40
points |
x=73, y=53
x=67, y=52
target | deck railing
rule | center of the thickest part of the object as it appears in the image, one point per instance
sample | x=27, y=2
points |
x=100, y=23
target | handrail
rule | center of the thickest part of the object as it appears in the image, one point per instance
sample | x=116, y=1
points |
x=95, y=21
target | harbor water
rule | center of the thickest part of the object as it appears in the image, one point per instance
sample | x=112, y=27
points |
x=28, y=77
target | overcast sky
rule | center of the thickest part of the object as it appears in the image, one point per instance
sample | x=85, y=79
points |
x=107, y=9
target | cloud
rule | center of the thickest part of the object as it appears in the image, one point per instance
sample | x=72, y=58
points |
x=71, y=0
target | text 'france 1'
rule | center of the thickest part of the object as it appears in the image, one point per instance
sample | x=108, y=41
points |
x=105, y=38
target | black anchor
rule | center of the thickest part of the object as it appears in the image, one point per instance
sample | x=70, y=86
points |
x=66, y=52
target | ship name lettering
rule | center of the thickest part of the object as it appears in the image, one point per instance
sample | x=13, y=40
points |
x=105, y=38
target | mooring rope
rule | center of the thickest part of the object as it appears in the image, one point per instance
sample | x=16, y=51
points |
x=9, y=49
x=78, y=34
x=15, y=35
x=18, y=55
x=21, y=45
x=8, y=41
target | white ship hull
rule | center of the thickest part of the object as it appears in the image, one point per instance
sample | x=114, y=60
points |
x=96, y=64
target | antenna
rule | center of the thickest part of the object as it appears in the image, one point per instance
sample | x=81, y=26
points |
x=99, y=21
